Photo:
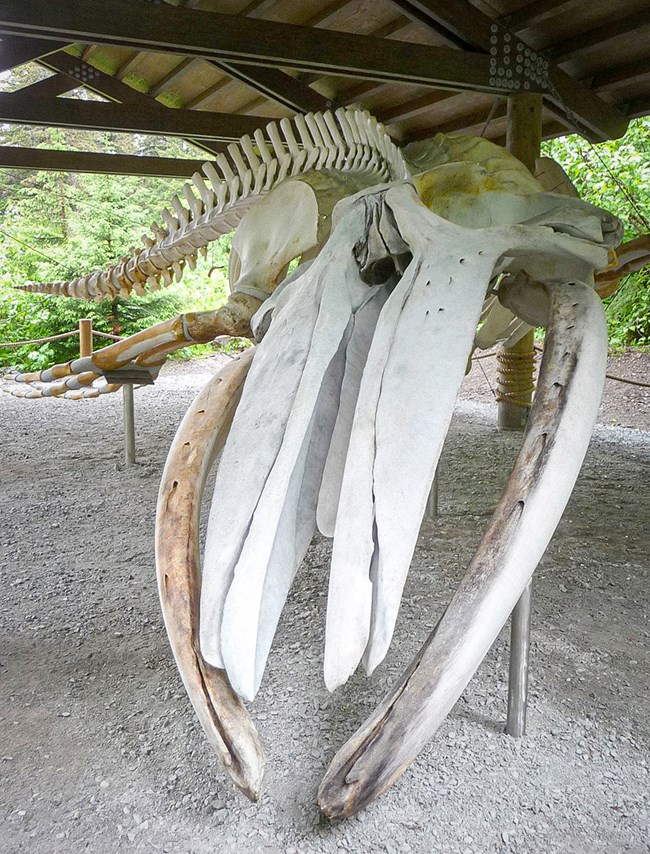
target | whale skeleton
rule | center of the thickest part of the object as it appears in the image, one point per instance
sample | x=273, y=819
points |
x=335, y=422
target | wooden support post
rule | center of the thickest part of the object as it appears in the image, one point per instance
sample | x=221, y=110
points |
x=85, y=336
x=524, y=136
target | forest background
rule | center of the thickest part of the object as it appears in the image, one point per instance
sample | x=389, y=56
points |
x=56, y=225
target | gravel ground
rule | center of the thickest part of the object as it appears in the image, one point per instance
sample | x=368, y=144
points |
x=99, y=748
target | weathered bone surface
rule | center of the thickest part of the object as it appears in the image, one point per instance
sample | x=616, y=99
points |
x=199, y=438
x=347, y=141
x=345, y=408
x=554, y=445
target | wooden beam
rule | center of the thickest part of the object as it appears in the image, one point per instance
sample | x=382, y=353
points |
x=629, y=73
x=456, y=21
x=106, y=164
x=278, y=86
x=93, y=115
x=638, y=108
x=230, y=38
x=587, y=111
x=597, y=36
x=536, y=12
x=15, y=52
x=92, y=78
x=50, y=87
x=109, y=87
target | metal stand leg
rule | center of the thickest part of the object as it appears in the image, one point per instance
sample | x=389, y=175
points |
x=519, y=660
x=431, y=511
x=129, y=425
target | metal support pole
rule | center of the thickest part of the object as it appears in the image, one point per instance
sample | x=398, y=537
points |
x=431, y=511
x=129, y=425
x=523, y=139
x=85, y=336
x=519, y=662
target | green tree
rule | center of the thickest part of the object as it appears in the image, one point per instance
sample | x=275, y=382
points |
x=616, y=175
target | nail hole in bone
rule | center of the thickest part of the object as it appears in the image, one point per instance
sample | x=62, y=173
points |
x=441, y=309
x=557, y=385
x=575, y=305
x=186, y=444
x=571, y=327
x=462, y=261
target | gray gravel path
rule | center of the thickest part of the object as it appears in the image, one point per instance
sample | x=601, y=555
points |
x=100, y=751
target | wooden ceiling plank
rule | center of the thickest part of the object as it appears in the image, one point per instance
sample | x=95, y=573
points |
x=536, y=12
x=589, y=112
x=230, y=38
x=128, y=66
x=174, y=76
x=327, y=15
x=638, y=108
x=203, y=98
x=226, y=37
x=600, y=35
x=14, y=52
x=410, y=109
x=107, y=86
x=278, y=86
x=103, y=116
x=476, y=120
x=630, y=73
x=461, y=24
x=87, y=161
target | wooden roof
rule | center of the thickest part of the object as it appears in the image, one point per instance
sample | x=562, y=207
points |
x=211, y=70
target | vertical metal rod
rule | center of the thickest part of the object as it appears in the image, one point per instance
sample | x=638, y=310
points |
x=129, y=424
x=85, y=336
x=523, y=139
x=431, y=511
x=519, y=660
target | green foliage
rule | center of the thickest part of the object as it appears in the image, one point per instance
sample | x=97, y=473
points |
x=616, y=175
x=55, y=226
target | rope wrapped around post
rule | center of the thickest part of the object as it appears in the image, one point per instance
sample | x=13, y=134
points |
x=515, y=382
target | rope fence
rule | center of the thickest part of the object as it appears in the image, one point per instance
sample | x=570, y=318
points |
x=512, y=369
x=540, y=350
x=59, y=337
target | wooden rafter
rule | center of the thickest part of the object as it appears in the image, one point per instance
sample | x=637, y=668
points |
x=278, y=86
x=595, y=36
x=50, y=87
x=87, y=161
x=92, y=115
x=535, y=13
x=109, y=87
x=581, y=105
x=15, y=52
x=231, y=38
